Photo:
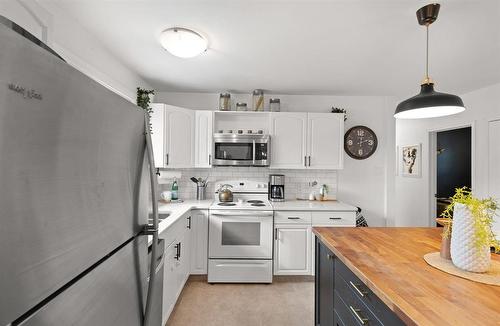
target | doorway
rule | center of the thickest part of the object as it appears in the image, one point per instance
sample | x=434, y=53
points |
x=452, y=162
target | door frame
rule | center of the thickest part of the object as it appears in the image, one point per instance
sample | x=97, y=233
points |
x=432, y=134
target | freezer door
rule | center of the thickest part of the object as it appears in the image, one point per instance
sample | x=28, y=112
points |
x=111, y=294
x=71, y=169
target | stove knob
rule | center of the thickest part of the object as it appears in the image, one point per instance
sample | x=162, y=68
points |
x=259, y=185
x=265, y=185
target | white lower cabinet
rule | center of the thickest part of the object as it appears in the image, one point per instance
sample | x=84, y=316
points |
x=177, y=262
x=199, y=241
x=292, y=250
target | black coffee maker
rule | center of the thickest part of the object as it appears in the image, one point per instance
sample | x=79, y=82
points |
x=276, y=187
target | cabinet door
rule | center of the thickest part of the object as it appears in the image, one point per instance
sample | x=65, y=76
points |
x=199, y=241
x=184, y=260
x=203, y=139
x=288, y=140
x=325, y=140
x=324, y=285
x=169, y=281
x=292, y=250
x=157, y=120
x=179, y=137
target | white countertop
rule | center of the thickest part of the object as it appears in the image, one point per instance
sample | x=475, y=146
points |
x=309, y=205
x=176, y=211
x=179, y=209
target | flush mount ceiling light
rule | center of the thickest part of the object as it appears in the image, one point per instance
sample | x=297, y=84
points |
x=428, y=103
x=183, y=42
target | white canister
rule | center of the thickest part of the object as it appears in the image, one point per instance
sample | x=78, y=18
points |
x=166, y=195
x=464, y=253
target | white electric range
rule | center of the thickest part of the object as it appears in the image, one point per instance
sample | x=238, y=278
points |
x=240, y=246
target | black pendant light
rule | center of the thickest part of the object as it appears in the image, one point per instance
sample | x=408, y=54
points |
x=428, y=103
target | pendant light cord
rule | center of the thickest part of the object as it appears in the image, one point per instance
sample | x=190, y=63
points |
x=427, y=54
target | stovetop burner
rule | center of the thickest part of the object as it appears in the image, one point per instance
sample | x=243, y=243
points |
x=226, y=204
x=258, y=204
x=255, y=201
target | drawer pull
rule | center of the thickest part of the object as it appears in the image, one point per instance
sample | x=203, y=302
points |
x=356, y=312
x=355, y=286
x=293, y=218
x=335, y=218
x=330, y=257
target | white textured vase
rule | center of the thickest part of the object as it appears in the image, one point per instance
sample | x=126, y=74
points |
x=464, y=253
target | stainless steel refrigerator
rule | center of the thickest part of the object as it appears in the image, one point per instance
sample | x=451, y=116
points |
x=75, y=177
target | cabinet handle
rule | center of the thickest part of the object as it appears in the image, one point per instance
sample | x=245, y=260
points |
x=305, y=161
x=356, y=312
x=167, y=159
x=293, y=218
x=177, y=251
x=335, y=218
x=189, y=222
x=209, y=159
x=179, y=248
x=275, y=234
x=355, y=286
x=330, y=257
x=309, y=160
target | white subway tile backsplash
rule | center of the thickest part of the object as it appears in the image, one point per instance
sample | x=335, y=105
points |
x=297, y=182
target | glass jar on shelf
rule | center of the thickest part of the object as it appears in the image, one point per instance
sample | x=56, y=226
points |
x=241, y=106
x=225, y=102
x=274, y=105
x=258, y=100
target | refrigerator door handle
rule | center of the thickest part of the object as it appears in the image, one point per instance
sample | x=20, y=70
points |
x=152, y=230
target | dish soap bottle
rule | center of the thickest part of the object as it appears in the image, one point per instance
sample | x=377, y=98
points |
x=175, y=190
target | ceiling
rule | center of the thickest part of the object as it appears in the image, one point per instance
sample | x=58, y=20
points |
x=337, y=47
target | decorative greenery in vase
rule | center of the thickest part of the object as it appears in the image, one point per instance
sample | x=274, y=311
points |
x=143, y=101
x=482, y=212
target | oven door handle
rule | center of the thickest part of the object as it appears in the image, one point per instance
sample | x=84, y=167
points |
x=233, y=213
x=253, y=152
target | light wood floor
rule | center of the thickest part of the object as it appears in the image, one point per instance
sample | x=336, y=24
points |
x=287, y=301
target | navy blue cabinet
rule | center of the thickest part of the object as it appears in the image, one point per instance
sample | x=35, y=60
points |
x=341, y=297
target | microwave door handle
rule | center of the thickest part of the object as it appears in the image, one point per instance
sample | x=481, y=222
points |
x=253, y=152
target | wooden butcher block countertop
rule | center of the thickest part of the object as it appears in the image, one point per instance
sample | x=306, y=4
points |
x=389, y=261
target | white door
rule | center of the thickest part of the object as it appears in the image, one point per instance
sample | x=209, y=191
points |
x=288, y=140
x=325, y=140
x=203, y=139
x=199, y=241
x=292, y=250
x=157, y=120
x=494, y=172
x=170, y=283
x=184, y=259
x=179, y=137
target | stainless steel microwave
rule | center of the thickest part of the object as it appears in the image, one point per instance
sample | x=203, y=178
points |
x=241, y=150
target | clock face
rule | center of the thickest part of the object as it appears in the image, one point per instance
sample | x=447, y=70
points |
x=360, y=142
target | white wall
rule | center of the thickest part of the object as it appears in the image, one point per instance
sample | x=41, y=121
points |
x=368, y=183
x=413, y=194
x=75, y=44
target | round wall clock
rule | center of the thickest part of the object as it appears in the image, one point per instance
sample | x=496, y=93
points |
x=360, y=142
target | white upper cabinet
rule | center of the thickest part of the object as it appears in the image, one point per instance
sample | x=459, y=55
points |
x=325, y=140
x=307, y=140
x=179, y=137
x=203, y=139
x=288, y=140
x=157, y=121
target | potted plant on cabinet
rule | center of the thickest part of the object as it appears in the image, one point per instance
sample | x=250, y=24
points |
x=471, y=233
x=144, y=98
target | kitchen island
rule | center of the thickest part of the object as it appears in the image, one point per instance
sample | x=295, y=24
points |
x=378, y=276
